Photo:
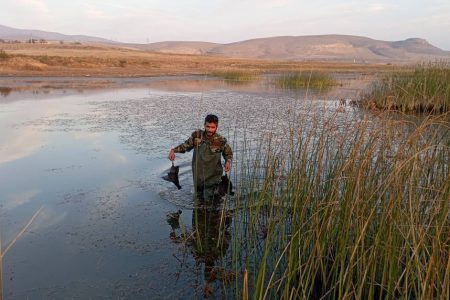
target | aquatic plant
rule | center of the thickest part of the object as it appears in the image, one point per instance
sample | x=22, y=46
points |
x=301, y=80
x=424, y=89
x=3, y=55
x=236, y=76
x=333, y=211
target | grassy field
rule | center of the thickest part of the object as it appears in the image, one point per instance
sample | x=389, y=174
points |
x=90, y=60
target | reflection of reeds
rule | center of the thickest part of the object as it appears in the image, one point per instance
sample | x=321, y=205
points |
x=302, y=80
x=426, y=89
x=5, y=91
x=16, y=238
x=357, y=210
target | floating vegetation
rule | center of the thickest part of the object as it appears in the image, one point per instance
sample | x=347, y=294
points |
x=426, y=89
x=302, y=80
x=355, y=211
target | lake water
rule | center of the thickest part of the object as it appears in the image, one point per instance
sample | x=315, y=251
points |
x=90, y=159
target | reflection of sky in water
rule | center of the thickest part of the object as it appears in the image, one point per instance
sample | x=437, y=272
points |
x=95, y=163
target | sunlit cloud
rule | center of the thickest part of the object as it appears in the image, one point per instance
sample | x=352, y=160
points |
x=47, y=218
x=19, y=199
x=377, y=7
x=119, y=159
x=20, y=144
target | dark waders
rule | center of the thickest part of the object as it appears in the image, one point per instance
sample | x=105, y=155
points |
x=207, y=170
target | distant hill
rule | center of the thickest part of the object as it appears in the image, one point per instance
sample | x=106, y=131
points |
x=331, y=47
x=11, y=34
x=179, y=47
x=315, y=47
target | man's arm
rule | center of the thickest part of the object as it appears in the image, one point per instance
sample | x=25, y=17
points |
x=227, y=154
x=182, y=148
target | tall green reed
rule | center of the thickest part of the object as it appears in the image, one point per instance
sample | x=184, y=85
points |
x=356, y=210
x=425, y=89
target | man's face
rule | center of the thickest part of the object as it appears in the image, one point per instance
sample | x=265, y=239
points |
x=210, y=128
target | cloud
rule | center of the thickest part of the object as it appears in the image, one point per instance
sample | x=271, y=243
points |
x=91, y=12
x=20, y=199
x=37, y=6
x=20, y=144
x=47, y=218
x=355, y=8
x=274, y=3
x=377, y=7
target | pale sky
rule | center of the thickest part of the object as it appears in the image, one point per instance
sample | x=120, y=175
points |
x=225, y=21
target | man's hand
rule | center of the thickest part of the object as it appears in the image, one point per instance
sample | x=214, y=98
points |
x=227, y=166
x=171, y=155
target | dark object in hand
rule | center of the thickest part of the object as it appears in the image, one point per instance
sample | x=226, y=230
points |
x=225, y=186
x=172, y=176
x=173, y=219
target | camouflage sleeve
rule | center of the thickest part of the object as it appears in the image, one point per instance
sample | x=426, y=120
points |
x=187, y=145
x=227, y=153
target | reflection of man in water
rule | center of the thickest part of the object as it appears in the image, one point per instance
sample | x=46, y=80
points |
x=208, y=147
x=210, y=226
x=209, y=240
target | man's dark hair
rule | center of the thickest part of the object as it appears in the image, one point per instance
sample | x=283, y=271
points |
x=212, y=119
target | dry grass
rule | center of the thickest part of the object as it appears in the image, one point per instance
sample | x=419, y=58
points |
x=94, y=60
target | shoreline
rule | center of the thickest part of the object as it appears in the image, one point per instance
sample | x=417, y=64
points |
x=21, y=60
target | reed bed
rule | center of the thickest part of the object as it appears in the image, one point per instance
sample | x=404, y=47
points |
x=302, y=80
x=236, y=76
x=328, y=210
x=425, y=89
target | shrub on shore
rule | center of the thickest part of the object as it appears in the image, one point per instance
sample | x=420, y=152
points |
x=3, y=55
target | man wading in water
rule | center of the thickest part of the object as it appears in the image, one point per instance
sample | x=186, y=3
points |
x=208, y=147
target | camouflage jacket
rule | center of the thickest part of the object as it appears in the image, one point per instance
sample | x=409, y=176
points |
x=217, y=143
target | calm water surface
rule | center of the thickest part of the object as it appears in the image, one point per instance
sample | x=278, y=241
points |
x=93, y=161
